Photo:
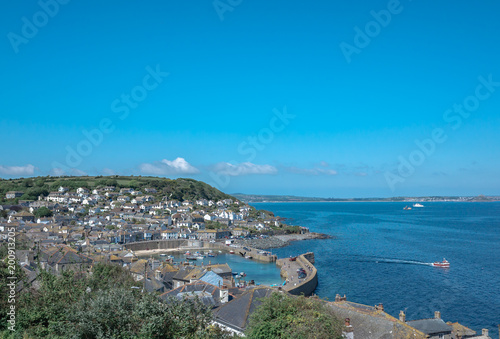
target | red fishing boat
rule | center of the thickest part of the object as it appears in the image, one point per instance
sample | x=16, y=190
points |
x=443, y=263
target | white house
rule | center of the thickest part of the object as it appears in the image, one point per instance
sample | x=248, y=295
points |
x=94, y=210
x=82, y=190
x=202, y=202
x=198, y=226
x=88, y=201
x=169, y=234
x=210, y=217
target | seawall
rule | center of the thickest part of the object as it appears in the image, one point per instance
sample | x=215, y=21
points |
x=253, y=252
x=156, y=245
x=295, y=285
x=184, y=244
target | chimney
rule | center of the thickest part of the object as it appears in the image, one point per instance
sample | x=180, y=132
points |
x=485, y=332
x=224, y=294
x=437, y=315
x=157, y=274
x=402, y=316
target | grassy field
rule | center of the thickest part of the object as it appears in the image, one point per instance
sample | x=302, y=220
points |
x=180, y=189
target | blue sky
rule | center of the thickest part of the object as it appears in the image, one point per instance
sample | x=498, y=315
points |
x=323, y=99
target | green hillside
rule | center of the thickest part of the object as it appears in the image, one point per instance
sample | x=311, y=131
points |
x=180, y=189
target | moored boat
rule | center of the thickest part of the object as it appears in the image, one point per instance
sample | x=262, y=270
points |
x=444, y=263
x=418, y=205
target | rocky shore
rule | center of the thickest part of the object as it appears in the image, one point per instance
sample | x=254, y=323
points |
x=277, y=241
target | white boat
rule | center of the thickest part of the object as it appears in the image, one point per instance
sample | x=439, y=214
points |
x=418, y=205
x=443, y=264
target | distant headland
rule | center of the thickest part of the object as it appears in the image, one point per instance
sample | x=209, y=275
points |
x=253, y=198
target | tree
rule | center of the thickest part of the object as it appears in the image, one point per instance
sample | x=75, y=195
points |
x=284, y=316
x=43, y=212
x=101, y=305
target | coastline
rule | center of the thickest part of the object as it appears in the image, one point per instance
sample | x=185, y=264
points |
x=274, y=241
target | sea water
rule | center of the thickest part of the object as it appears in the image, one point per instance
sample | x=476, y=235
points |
x=261, y=273
x=382, y=253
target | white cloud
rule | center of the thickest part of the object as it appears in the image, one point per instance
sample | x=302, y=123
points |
x=312, y=171
x=108, y=171
x=57, y=172
x=244, y=168
x=166, y=167
x=18, y=170
x=77, y=172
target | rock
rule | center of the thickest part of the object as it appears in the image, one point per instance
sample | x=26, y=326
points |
x=280, y=240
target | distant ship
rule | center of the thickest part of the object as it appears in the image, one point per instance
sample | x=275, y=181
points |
x=418, y=205
x=444, y=263
x=407, y=208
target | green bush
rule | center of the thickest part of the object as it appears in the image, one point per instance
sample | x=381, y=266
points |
x=285, y=316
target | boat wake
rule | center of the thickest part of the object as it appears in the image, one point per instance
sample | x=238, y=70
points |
x=407, y=262
x=398, y=261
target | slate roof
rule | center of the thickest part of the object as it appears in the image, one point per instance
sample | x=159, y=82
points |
x=461, y=329
x=235, y=313
x=64, y=255
x=188, y=273
x=208, y=293
x=430, y=326
x=153, y=285
x=212, y=278
x=221, y=269
x=370, y=322
x=139, y=266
